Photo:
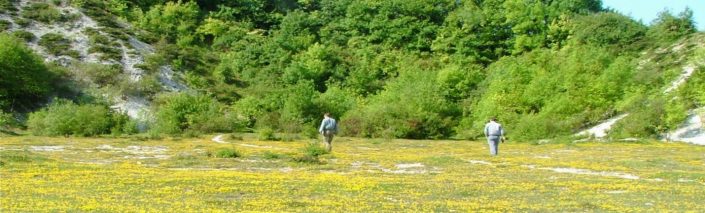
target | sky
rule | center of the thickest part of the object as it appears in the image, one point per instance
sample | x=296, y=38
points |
x=647, y=10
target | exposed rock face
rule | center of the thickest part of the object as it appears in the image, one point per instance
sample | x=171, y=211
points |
x=132, y=53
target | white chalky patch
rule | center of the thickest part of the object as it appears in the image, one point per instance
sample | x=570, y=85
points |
x=141, y=152
x=687, y=72
x=479, y=162
x=407, y=166
x=590, y=172
x=47, y=148
x=691, y=131
x=254, y=146
x=600, y=130
x=683, y=180
x=218, y=139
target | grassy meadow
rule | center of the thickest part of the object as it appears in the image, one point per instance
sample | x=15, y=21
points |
x=360, y=175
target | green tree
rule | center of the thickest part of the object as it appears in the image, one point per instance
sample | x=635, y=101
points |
x=25, y=79
x=608, y=29
x=175, y=21
x=667, y=27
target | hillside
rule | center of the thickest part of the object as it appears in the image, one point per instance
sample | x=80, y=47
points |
x=393, y=69
x=64, y=35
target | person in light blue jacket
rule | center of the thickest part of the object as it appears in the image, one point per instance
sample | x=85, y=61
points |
x=328, y=129
x=494, y=133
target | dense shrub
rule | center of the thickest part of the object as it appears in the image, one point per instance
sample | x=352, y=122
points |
x=267, y=134
x=411, y=106
x=545, y=93
x=178, y=112
x=63, y=117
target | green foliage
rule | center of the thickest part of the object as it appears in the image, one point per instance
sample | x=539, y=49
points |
x=21, y=157
x=25, y=79
x=642, y=122
x=398, y=68
x=608, y=29
x=42, y=12
x=64, y=117
x=227, y=153
x=24, y=35
x=99, y=74
x=104, y=12
x=6, y=119
x=269, y=155
x=122, y=124
x=22, y=22
x=7, y=6
x=4, y=25
x=310, y=154
x=314, y=150
x=531, y=21
x=667, y=27
x=545, y=93
x=107, y=47
x=178, y=112
x=57, y=45
x=267, y=134
x=175, y=21
x=411, y=106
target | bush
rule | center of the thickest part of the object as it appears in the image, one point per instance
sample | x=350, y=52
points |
x=99, y=74
x=178, y=112
x=42, y=12
x=147, y=86
x=227, y=153
x=122, y=124
x=24, y=35
x=4, y=25
x=644, y=121
x=107, y=47
x=314, y=150
x=6, y=119
x=267, y=134
x=22, y=22
x=57, y=45
x=310, y=154
x=63, y=117
x=269, y=155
